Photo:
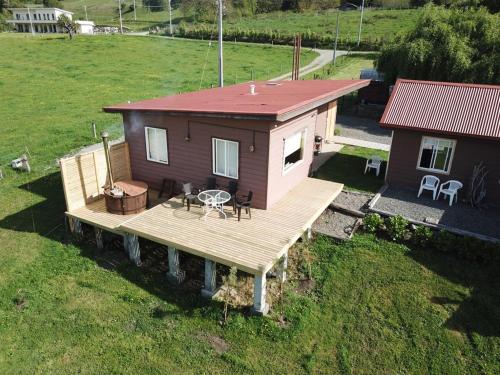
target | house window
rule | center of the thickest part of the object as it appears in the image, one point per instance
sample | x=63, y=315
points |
x=225, y=157
x=293, y=147
x=156, y=145
x=53, y=17
x=436, y=154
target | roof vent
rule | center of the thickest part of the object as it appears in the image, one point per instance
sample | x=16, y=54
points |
x=252, y=89
x=271, y=83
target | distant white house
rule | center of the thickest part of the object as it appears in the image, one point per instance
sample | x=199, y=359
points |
x=44, y=20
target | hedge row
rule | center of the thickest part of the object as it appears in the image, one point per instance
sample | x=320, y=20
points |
x=309, y=38
x=399, y=229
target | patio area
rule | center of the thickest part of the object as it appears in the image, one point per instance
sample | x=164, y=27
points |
x=397, y=201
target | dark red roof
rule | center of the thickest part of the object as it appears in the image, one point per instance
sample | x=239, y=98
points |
x=443, y=107
x=273, y=100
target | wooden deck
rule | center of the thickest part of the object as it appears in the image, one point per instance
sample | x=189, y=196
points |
x=252, y=245
x=95, y=214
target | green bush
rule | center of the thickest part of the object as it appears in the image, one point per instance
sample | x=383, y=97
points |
x=396, y=227
x=445, y=241
x=372, y=222
x=422, y=236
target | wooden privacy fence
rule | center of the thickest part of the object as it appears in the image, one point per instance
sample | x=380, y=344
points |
x=85, y=175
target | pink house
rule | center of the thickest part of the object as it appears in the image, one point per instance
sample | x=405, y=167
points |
x=260, y=134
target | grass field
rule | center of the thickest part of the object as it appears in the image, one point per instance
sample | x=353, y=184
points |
x=373, y=307
x=346, y=67
x=347, y=167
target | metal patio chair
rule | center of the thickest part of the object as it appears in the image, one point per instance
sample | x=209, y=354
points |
x=188, y=195
x=244, y=201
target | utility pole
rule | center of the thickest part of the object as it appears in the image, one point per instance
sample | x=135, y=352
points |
x=221, y=60
x=336, y=39
x=361, y=20
x=135, y=12
x=86, y=16
x=31, y=23
x=170, y=16
x=120, y=12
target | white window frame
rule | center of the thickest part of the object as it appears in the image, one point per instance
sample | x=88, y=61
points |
x=214, y=158
x=286, y=170
x=450, y=157
x=146, y=138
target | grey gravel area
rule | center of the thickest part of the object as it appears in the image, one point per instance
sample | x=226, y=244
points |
x=334, y=224
x=337, y=224
x=352, y=200
x=461, y=216
x=362, y=128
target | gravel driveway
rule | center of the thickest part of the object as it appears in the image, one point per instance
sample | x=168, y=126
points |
x=363, y=128
x=405, y=203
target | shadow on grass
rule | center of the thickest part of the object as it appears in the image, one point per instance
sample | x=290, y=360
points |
x=47, y=219
x=349, y=170
x=477, y=313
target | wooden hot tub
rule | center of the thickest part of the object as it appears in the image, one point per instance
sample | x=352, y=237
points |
x=133, y=200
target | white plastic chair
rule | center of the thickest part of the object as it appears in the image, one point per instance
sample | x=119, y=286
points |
x=431, y=183
x=373, y=163
x=450, y=188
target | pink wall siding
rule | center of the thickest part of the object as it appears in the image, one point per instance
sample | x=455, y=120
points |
x=280, y=183
x=321, y=121
x=192, y=161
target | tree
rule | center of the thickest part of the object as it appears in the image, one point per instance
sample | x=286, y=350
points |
x=68, y=25
x=456, y=45
x=156, y=5
x=52, y=3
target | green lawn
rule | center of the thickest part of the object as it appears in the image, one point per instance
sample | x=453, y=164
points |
x=375, y=307
x=346, y=67
x=348, y=165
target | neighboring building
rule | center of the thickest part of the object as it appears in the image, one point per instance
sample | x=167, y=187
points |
x=377, y=92
x=443, y=129
x=44, y=20
x=263, y=140
x=85, y=27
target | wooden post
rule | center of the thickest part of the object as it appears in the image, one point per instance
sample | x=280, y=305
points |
x=131, y=244
x=175, y=275
x=75, y=226
x=210, y=279
x=98, y=238
x=260, y=306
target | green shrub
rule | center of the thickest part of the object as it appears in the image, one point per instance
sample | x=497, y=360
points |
x=372, y=222
x=422, y=236
x=396, y=227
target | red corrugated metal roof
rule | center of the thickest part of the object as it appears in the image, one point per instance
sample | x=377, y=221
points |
x=272, y=100
x=443, y=107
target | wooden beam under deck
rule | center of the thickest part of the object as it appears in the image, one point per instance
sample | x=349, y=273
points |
x=252, y=245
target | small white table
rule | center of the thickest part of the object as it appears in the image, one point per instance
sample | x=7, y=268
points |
x=214, y=200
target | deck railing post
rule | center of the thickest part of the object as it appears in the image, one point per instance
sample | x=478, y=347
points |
x=210, y=279
x=175, y=275
x=260, y=305
x=131, y=244
x=282, y=266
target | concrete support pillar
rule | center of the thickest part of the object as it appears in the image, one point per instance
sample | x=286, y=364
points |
x=281, y=268
x=75, y=226
x=260, y=305
x=307, y=236
x=131, y=244
x=210, y=279
x=98, y=238
x=175, y=275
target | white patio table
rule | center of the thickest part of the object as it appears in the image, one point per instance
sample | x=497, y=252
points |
x=214, y=201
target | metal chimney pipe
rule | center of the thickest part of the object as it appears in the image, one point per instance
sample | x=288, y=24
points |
x=104, y=136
